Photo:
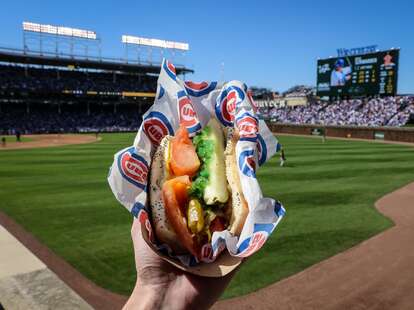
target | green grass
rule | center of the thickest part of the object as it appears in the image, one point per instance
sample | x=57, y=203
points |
x=329, y=189
x=13, y=139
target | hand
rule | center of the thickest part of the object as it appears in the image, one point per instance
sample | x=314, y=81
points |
x=160, y=285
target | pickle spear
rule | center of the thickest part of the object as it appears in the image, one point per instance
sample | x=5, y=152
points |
x=211, y=182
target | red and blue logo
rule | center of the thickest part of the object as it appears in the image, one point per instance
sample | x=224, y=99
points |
x=247, y=164
x=226, y=104
x=133, y=167
x=187, y=114
x=256, y=241
x=199, y=89
x=247, y=124
x=156, y=126
x=169, y=69
x=261, y=149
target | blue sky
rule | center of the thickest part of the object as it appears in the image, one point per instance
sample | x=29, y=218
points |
x=264, y=43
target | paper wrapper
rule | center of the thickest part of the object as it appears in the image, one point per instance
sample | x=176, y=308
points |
x=193, y=104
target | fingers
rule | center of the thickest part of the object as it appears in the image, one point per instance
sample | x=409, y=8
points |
x=136, y=232
x=136, y=227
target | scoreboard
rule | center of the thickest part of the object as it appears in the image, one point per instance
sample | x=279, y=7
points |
x=359, y=75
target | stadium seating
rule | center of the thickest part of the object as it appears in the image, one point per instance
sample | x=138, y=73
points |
x=18, y=79
x=51, y=100
x=389, y=111
x=38, y=99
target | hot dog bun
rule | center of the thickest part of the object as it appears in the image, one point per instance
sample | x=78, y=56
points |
x=159, y=174
x=239, y=206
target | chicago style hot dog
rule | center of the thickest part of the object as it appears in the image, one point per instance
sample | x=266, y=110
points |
x=195, y=188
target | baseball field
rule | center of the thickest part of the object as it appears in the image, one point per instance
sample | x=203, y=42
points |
x=12, y=139
x=61, y=196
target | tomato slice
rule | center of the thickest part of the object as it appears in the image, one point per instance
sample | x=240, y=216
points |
x=174, y=193
x=184, y=159
x=217, y=224
x=180, y=189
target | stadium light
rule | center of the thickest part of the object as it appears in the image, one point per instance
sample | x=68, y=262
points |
x=58, y=30
x=127, y=39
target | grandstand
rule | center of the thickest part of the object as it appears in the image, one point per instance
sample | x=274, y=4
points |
x=357, y=91
x=374, y=112
x=300, y=106
x=52, y=93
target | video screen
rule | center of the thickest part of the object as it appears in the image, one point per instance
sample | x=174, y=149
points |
x=359, y=75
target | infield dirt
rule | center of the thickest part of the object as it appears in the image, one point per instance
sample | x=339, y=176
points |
x=376, y=274
x=37, y=141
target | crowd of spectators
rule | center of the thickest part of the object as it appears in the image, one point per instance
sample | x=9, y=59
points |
x=389, y=111
x=299, y=91
x=19, y=79
x=39, y=122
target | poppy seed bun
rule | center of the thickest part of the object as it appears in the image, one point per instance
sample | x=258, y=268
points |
x=159, y=174
x=239, y=205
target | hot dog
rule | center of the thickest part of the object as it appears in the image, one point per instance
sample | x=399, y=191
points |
x=195, y=188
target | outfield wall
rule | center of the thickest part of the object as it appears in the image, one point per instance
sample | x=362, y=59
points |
x=377, y=133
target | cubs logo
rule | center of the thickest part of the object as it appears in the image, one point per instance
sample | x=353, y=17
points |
x=186, y=113
x=169, y=69
x=255, y=242
x=156, y=126
x=261, y=149
x=226, y=104
x=252, y=244
x=247, y=164
x=248, y=127
x=133, y=167
x=199, y=89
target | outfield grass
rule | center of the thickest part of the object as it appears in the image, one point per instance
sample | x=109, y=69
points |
x=329, y=189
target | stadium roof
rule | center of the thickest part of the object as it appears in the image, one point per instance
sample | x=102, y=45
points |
x=111, y=64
